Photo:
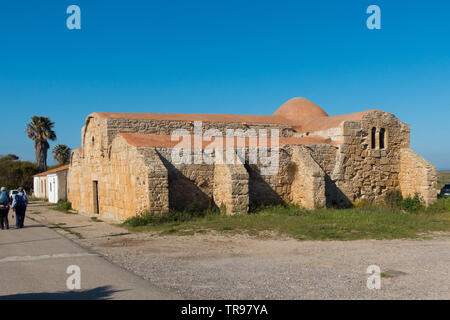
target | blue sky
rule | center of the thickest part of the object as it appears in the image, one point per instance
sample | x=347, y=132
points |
x=224, y=57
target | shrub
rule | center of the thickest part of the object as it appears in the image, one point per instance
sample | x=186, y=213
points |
x=15, y=173
x=362, y=204
x=393, y=199
x=223, y=208
x=64, y=205
x=412, y=204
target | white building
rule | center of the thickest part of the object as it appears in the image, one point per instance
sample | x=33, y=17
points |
x=52, y=184
x=40, y=188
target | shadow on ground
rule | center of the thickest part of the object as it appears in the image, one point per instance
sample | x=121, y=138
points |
x=99, y=293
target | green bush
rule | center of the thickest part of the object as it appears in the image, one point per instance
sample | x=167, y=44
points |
x=15, y=173
x=413, y=204
x=394, y=199
x=64, y=205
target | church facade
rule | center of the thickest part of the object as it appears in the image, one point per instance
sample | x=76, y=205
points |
x=130, y=163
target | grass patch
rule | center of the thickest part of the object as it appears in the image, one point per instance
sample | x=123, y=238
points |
x=35, y=212
x=95, y=219
x=67, y=229
x=33, y=198
x=64, y=207
x=170, y=217
x=386, y=275
x=321, y=224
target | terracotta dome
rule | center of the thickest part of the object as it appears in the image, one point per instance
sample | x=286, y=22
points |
x=299, y=109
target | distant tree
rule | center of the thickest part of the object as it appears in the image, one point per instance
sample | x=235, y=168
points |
x=40, y=130
x=15, y=173
x=61, y=153
x=11, y=157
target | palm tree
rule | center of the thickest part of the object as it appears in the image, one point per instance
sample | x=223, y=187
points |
x=61, y=153
x=40, y=131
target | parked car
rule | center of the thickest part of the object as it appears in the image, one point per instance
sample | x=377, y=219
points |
x=445, y=191
x=12, y=193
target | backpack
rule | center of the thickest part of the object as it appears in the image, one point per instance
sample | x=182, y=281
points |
x=20, y=201
x=4, y=199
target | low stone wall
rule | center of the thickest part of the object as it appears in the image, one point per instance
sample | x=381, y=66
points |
x=417, y=175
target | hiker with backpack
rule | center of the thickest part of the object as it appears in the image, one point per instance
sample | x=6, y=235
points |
x=19, y=205
x=4, y=208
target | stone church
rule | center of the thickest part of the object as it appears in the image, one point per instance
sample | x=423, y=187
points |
x=128, y=165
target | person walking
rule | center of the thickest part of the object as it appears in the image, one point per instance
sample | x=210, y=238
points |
x=4, y=208
x=19, y=205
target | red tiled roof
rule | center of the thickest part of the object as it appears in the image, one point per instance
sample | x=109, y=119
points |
x=299, y=113
x=204, y=117
x=65, y=167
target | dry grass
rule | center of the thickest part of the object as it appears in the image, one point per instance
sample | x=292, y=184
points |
x=443, y=178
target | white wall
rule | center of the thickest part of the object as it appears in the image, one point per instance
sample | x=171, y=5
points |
x=52, y=182
x=36, y=187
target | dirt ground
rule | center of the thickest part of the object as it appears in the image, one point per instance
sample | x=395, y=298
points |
x=218, y=266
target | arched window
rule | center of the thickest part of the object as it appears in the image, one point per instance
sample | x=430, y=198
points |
x=382, y=137
x=374, y=130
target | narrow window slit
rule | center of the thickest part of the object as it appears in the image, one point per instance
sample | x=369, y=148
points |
x=382, y=137
x=373, y=137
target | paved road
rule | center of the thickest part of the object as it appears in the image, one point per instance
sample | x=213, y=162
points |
x=34, y=261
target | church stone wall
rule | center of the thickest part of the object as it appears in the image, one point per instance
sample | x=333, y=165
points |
x=308, y=187
x=231, y=188
x=364, y=171
x=127, y=181
x=74, y=188
x=368, y=159
x=417, y=176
